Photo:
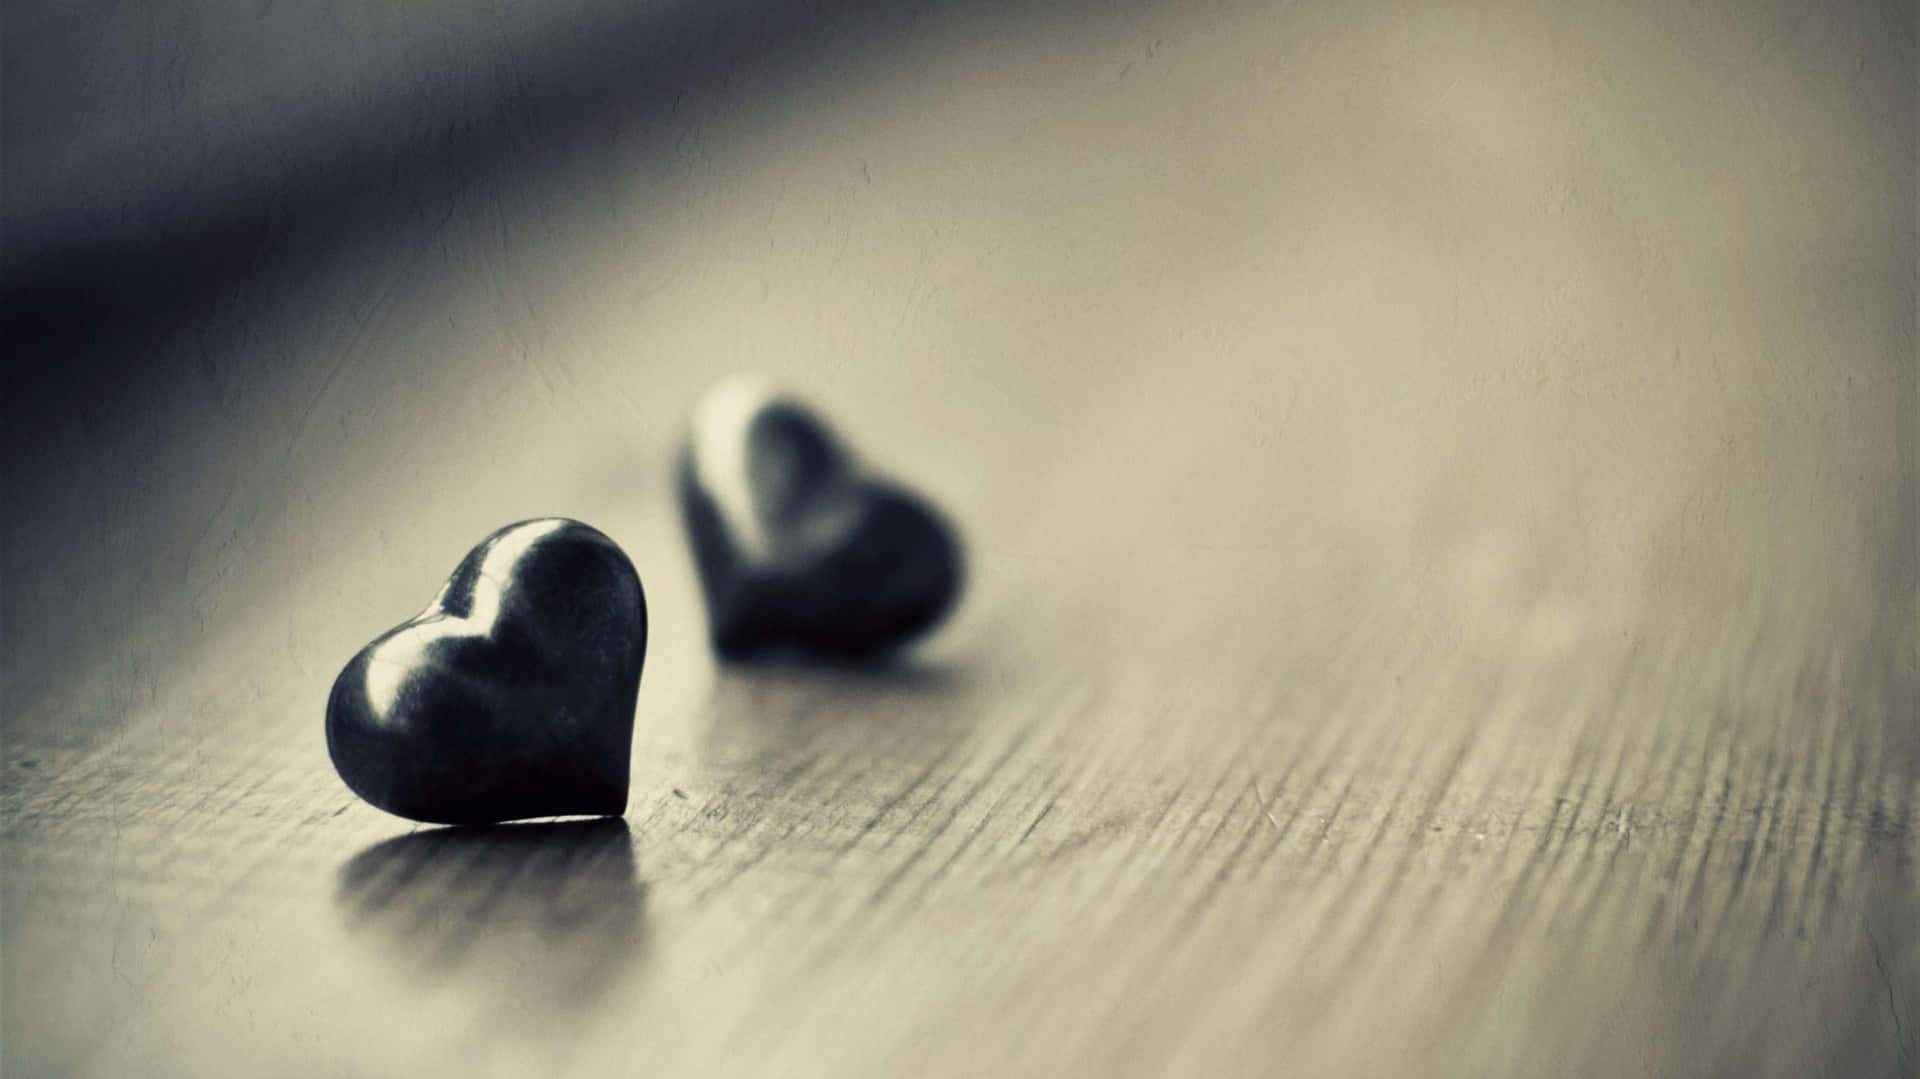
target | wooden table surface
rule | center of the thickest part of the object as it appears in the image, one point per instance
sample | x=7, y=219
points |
x=1439, y=485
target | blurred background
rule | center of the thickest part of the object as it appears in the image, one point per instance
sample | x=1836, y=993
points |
x=1521, y=395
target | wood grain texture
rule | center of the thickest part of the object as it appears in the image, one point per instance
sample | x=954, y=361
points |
x=1439, y=486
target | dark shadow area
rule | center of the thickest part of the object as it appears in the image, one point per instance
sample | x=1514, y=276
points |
x=81, y=299
x=537, y=920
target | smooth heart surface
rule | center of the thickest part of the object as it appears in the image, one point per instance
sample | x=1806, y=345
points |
x=796, y=545
x=511, y=695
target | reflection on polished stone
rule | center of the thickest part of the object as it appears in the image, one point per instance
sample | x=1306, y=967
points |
x=796, y=545
x=511, y=695
x=536, y=919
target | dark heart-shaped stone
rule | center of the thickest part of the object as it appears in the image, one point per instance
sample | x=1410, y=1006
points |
x=511, y=695
x=796, y=545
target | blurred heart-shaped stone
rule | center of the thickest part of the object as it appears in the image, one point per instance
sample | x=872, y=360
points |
x=511, y=695
x=796, y=545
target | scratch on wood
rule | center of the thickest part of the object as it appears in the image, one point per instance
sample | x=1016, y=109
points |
x=1024, y=836
x=1260, y=800
x=1901, y=1047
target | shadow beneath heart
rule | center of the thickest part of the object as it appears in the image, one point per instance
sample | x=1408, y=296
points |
x=534, y=921
x=778, y=709
x=882, y=675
